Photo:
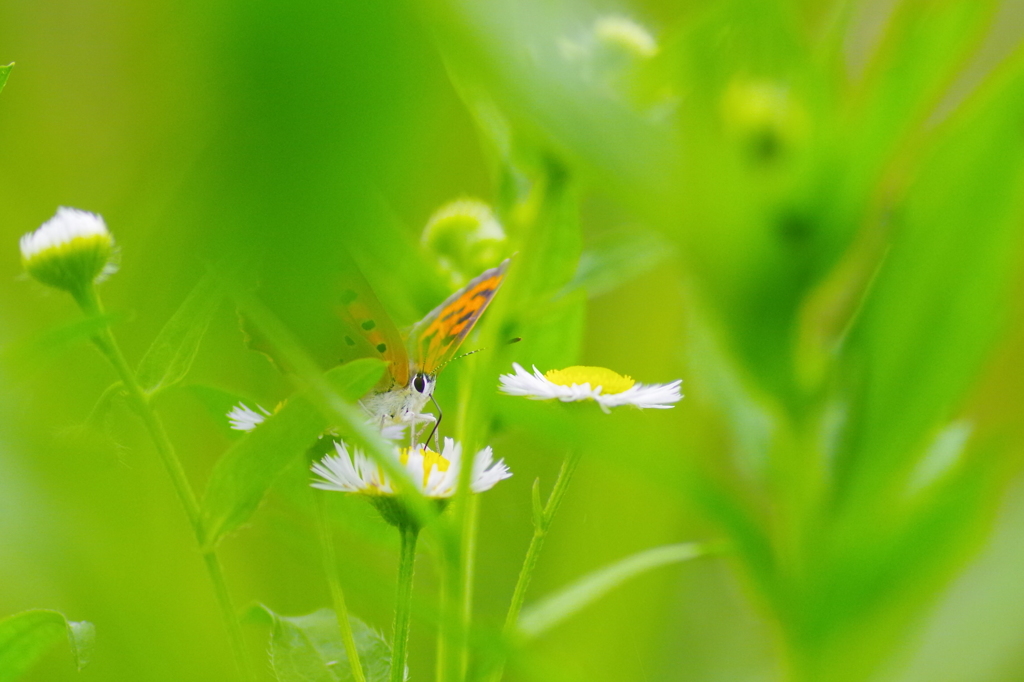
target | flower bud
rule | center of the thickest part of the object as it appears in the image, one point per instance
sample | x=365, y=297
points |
x=69, y=251
x=764, y=116
x=466, y=237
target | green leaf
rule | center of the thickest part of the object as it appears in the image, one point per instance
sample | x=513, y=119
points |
x=309, y=648
x=26, y=636
x=938, y=303
x=553, y=609
x=248, y=469
x=618, y=258
x=5, y=71
x=216, y=401
x=171, y=354
x=52, y=342
x=539, y=518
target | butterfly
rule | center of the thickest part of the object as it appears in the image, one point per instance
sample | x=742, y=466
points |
x=414, y=361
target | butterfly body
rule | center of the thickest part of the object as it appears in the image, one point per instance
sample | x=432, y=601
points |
x=401, y=405
x=415, y=361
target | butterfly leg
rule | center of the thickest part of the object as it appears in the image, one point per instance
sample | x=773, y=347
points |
x=434, y=432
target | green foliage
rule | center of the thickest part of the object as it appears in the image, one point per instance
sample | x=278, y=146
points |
x=808, y=211
x=538, y=618
x=50, y=344
x=824, y=179
x=173, y=351
x=26, y=636
x=5, y=72
x=618, y=258
x=248, y=469
x=309, y=648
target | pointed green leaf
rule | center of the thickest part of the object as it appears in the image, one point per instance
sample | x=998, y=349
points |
x=52, y=342
x=309, y=648
x=938, y=302
x=5, y=71
x=553, y=609
x=170, y=356
x=616, y=259
x=26, y=636
x=248, y=469
x=539, y=519
x=82, y=638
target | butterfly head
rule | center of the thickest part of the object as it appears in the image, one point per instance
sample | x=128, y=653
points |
x=423, y=383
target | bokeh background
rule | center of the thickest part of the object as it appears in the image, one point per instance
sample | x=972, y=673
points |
x=805, y=210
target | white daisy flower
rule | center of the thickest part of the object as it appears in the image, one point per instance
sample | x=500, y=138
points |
x=69, y=251
x=244, y=418
x=436, y=475
x=574, y=384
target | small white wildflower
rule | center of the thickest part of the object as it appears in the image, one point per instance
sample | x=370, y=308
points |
x=69, y=251
x=244, y=418
x=436, y=475
x=574, y=384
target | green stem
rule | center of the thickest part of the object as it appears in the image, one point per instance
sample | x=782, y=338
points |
x=403, y=602
x=89, y=300
x=468, y=556
x=542, y=522
x=337, y=595
x=444, y=617
x=458, y=560
x=220, y=587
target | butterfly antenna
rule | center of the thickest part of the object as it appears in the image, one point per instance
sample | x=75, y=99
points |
x=459, y=357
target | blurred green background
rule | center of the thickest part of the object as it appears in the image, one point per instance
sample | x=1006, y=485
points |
x=808, y=211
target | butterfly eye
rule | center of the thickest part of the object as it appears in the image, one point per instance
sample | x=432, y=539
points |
x=419, y=383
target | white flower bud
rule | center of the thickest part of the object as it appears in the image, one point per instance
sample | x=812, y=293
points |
x=69, y=251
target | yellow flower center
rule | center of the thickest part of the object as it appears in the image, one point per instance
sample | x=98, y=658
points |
x=430, y=460
x=609, y=381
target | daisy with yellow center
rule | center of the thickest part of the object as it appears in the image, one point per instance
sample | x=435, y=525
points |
x=578, y=383
x=435, y=474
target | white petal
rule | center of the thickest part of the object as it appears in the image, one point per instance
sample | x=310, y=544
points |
x=644, y=396
x=67, y=224
x=244, y=418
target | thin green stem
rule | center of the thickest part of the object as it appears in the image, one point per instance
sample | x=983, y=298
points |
x=227, y=608
x=337, y=595
x=403, y=602
x=468, y=556
x=445, y=600
x=89, y=300
x=541, y=524
x=458, y=558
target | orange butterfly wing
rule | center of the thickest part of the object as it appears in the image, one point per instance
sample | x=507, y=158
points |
x=438, y=335
x=375, y=334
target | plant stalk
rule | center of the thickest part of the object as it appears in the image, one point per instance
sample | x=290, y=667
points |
x=89, y=301
x=403, y=602
x=337, y=594
x=542, y=522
